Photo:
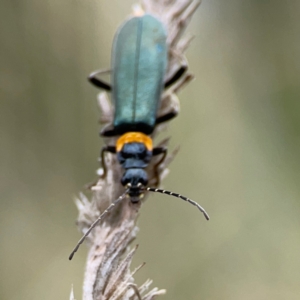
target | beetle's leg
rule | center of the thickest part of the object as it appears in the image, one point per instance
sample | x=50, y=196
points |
x=111, y=149
x=173, y=113
x=158, y=151
x=92, y=78
x=169, y=109
x=166, y=117
x=108, y=131
x=178, y=74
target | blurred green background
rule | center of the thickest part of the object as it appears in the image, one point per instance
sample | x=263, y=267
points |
x=238, y=129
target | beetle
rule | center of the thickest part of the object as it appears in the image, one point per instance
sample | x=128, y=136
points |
x=139, y=64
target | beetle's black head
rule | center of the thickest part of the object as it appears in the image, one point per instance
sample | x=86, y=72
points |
x=135, y=179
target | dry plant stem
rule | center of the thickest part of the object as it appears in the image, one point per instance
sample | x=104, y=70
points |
x=107, y=274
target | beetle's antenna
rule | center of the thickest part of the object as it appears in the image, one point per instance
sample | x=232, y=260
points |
x=110, y=207
x=181, y=197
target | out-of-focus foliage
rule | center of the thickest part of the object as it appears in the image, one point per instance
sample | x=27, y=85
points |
x=239, y=135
